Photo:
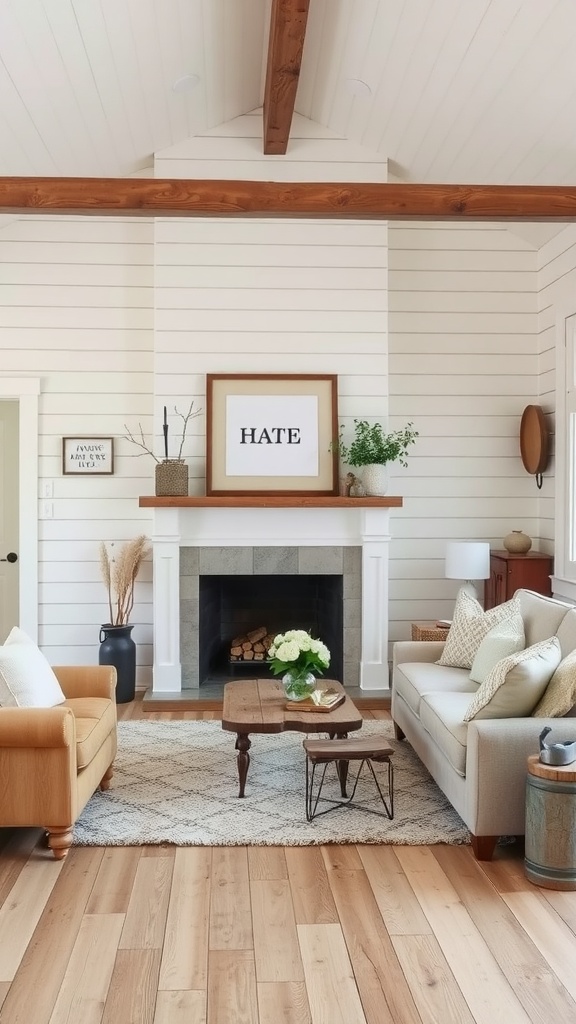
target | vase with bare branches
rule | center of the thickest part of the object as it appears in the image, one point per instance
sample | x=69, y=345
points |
x=171, y=475
x=119, y=568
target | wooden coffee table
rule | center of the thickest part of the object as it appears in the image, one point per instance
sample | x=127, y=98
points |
x=260, y=706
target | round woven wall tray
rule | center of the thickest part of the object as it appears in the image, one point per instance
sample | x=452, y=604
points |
x=534, y=441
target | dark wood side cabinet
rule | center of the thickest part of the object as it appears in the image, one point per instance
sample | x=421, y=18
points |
x=509, y=572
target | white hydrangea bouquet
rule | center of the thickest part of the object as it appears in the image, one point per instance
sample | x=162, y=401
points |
x=299, y=658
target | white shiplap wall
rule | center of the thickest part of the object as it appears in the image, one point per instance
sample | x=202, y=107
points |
x=121, y=317
x=269, y=297
x=264, y=295
x=463, y=365
x=76, y=309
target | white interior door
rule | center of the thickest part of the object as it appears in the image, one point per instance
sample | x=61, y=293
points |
x=9, y=540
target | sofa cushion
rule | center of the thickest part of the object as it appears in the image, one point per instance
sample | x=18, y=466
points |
x=542, y=615
x=515, y=685
x=442, y=715
x=412, y=679
x=26, y=678
x=470, y=625
x=95, y=719
x=560, y=694
x=504, y=638
x=566, y=633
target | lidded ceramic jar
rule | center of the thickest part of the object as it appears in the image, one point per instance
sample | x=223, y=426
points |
x=517, y=543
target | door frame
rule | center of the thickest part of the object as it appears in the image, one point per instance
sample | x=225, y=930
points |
x=26, y=391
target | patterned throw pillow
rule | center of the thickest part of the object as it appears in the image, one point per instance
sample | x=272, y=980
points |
x=560, y=694
x=515, y=685
x=504, y=638
x=470, y=625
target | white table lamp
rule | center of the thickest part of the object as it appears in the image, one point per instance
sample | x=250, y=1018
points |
x=467, y=560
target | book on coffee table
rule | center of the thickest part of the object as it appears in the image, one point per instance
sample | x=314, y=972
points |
x=320, y=700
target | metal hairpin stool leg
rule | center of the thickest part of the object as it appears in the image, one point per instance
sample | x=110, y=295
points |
x=324, y=752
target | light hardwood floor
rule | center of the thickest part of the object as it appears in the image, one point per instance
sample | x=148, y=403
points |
x=307, y=935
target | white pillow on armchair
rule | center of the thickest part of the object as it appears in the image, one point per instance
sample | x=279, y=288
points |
x=26, y=678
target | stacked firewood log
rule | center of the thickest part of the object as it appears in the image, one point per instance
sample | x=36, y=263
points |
x=252, y=646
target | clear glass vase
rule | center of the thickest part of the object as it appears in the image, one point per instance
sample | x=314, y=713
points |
x=298, y=684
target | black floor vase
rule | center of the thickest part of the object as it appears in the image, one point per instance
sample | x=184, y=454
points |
x=118, y=648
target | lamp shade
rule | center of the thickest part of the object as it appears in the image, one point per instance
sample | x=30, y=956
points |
x=467, y=560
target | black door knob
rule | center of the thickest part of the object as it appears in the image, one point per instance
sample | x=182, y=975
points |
x=10, y=557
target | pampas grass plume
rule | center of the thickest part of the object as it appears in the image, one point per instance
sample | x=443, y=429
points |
x=119, y=574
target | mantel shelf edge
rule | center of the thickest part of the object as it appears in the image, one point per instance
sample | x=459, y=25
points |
x=269, y=501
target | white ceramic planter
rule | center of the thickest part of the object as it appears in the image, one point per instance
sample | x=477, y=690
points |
x=375, y=478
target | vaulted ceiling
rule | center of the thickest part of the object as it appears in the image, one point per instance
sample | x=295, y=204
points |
x=448, y=90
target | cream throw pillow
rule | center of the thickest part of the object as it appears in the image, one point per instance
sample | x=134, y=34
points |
x=470, y=625
x=560, y=694
x=504, y=638
x=26, y=679
x=515, y=685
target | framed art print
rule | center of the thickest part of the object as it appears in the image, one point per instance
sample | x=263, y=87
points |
x=271, y=434
x=87, y=456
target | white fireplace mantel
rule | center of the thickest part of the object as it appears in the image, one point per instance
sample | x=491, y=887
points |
x=269, y=522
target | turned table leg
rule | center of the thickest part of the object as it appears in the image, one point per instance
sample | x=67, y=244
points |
x=242, y=746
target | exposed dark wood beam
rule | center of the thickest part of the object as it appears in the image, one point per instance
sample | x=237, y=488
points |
x=287, y=30
x=177, y=197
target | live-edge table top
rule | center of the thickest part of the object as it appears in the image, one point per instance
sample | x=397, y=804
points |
x=260, y=706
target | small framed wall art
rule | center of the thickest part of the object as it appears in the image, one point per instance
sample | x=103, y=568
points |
x=271, y=434
x=87, y=456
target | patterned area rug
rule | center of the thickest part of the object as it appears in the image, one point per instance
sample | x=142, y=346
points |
x=177, y=782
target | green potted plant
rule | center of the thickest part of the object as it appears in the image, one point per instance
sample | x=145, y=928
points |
x=372, y=449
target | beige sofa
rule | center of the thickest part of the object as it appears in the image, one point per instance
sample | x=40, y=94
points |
x=52, y=759
x=479, y=765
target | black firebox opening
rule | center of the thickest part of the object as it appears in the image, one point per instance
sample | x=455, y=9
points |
x=232, y=605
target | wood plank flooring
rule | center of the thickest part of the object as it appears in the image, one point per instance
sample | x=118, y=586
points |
x=300, y=935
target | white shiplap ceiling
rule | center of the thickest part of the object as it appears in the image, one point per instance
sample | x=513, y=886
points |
x=463, y=91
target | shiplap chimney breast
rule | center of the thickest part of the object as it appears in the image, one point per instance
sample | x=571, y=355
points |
x=270, y=296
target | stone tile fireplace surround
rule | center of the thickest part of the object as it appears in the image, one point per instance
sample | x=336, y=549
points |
x=192, y=536
x=284, y=564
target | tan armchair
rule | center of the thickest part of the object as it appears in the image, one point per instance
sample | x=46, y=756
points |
x=53, y=759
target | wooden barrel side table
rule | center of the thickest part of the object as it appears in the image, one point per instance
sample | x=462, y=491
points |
x=550, y=849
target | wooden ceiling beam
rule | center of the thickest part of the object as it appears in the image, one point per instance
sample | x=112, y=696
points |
x=286, y=41
x=164, y=197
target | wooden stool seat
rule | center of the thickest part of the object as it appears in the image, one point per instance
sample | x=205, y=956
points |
x=341, y=751
x=373, y=748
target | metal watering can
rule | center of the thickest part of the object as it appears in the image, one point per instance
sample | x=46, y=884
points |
x=556, y=753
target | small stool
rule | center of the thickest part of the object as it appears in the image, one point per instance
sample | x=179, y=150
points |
x=342, y=751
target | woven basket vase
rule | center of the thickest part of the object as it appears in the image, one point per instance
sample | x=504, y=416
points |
x=171, y=477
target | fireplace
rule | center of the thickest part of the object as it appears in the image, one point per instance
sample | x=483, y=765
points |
x=225, y=591
x=234, y=606
x=275, y=538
